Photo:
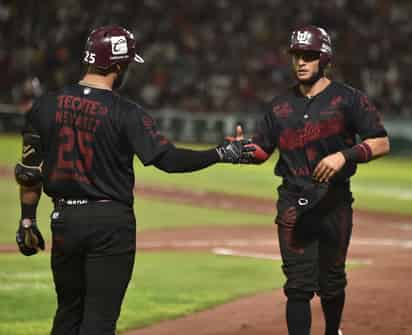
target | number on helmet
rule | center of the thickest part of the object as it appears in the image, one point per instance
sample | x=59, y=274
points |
x=90, y=57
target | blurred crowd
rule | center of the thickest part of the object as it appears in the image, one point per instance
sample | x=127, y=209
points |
x=201, y=55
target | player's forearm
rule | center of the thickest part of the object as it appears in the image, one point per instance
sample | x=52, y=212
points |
x=367, y=150
x=379, y=146
x=29, y=199
x=185, y=160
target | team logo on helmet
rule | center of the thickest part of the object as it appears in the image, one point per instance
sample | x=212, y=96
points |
x=303, y=37
x=119, y=45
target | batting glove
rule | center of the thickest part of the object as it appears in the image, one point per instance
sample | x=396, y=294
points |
x=235, y=152
x=28, y=237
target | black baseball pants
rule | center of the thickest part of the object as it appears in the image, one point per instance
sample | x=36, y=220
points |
x=314, y=261
x=92, y=261
x=314, y=248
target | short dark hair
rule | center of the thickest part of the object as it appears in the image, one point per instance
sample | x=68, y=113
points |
x=104, y=72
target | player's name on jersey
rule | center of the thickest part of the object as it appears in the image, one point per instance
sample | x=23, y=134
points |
x=86, y=123
x=85, y=106
x=79, y=112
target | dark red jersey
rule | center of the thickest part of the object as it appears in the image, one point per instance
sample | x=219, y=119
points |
x=305, y=130
x=89, y=137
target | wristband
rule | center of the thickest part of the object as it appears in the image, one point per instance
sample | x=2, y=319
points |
x=259, y=155
x=359, y=153
x=28, y=210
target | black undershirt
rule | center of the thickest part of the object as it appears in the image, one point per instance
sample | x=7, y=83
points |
x=186, y=160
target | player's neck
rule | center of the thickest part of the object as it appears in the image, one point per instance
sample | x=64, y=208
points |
x=98, y=81
x=312, y=90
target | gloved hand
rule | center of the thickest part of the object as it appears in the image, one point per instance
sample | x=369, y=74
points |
x=28, y=237
x=235, y=151
x=255, y=154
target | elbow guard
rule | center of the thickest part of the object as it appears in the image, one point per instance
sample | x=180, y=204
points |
x=28, y=176
x=28, y=172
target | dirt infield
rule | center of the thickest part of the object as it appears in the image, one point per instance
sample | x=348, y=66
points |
x=379, y=298
x=378, y=295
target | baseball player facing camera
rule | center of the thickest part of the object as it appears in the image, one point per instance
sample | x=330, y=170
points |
x=78, y=147
x=314, y=126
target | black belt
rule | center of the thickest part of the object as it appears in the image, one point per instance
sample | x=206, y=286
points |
x=76, y=201
x=294, y=187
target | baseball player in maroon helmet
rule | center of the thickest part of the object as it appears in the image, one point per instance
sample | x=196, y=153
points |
x=314, y=125
x=78, y=147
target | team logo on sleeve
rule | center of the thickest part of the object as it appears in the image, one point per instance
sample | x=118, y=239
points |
x=366, y=104
x=148, y=122
x=119, y=45
x=336, y=101
x=282, y=110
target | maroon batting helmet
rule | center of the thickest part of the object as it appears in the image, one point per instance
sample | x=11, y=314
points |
x=312, y=38
x=110, y=45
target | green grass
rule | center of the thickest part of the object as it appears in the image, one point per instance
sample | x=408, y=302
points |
x=158, y=290
x=150, y=214
x=384, y=185
x=247, y=180
x=10, y=149
x=156, y=214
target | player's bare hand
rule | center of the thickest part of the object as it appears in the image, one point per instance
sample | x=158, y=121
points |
x=328, y=167
x=239, y=133
x=239, y=136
